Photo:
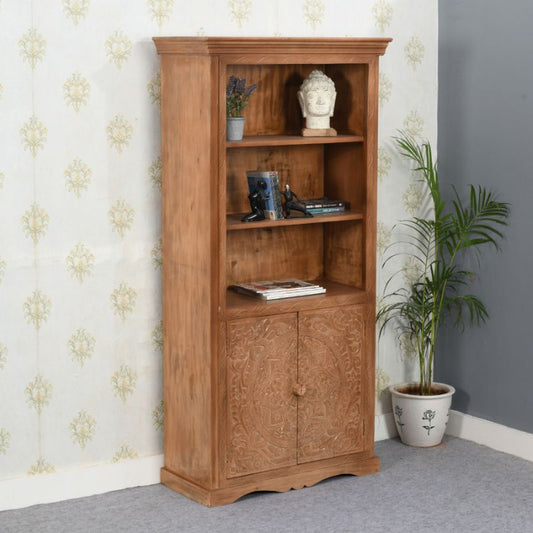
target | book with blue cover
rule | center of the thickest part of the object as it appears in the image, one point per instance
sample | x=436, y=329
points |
x=270, y=192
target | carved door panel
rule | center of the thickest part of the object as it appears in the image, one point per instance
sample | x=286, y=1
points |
x=261, y=408
x=329, y=367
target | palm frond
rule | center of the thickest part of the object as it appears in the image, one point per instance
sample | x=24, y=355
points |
x=477, y=312
x=434, y=242
x=478, y=221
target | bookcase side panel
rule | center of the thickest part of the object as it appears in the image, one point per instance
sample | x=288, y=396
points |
x=188, y=278
x=371, y=163
x=370, y=231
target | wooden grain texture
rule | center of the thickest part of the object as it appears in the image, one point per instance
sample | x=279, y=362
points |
x=264, y=254
x=291, y=140
x=261, y=408
x=187, y=269
x=371, y=180
x=344, y=253
x=302, y=167
x=239, y=305
x=234, y=220
x=283, y=480
x=368, y=383
x=330, y=355
x=346, y=173
x=369, y=235
x=273, y=109
x=351, y=104
x=293, y=47
x=219, y=347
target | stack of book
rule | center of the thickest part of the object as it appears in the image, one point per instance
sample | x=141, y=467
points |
x=322, y=205
x=277, y=289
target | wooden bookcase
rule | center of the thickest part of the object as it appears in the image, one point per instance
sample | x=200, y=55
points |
x=266, y=395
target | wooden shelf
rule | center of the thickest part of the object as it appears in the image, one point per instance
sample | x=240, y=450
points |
x=292, y=140
x=241, y=306
x=234, y=223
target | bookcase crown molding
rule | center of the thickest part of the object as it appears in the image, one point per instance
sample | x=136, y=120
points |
x=261, y=46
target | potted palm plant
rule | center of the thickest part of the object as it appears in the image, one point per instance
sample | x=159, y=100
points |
x=436, y=244
x=237, y=95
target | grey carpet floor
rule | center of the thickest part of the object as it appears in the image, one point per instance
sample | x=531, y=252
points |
x=456, y=487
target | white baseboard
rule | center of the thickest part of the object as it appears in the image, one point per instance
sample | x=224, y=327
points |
x=478, y=430
x=384, y=427
x=87, y=481
x=491, y=434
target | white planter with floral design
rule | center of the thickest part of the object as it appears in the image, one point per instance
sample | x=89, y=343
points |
x=421, y=420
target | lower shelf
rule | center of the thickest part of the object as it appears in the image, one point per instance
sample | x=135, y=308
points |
x=225, y=495
x=239, y=305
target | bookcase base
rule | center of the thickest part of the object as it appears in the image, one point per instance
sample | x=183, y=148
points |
x=226, y=495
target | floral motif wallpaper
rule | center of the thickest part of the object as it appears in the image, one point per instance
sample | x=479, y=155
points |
x=80, y=186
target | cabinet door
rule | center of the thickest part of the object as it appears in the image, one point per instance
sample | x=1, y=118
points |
x=329, y=367
x=261, y=408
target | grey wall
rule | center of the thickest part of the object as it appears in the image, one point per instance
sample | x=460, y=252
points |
x=485, y=132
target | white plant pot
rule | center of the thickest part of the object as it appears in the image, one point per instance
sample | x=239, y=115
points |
x=234, y=128
x=421, y=420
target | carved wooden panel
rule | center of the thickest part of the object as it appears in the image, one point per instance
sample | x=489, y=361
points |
x=261, y=408
x=329, y=366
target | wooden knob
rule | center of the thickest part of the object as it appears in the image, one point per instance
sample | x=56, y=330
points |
x=298, y=389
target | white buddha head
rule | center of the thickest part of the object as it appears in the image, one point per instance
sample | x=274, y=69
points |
x=317, y=99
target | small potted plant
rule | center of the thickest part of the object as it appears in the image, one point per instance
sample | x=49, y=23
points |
x=237, y=95
x=435, y=243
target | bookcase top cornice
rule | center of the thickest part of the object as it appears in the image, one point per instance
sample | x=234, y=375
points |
x=271, y=45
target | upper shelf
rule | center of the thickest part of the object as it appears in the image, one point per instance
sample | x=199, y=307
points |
x=291, y=140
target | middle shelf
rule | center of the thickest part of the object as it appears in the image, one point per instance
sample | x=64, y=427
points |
x=234, y=223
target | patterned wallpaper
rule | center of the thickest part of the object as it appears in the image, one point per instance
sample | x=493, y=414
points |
x=80, y=181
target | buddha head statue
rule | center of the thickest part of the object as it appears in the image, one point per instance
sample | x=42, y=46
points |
x=317, y=99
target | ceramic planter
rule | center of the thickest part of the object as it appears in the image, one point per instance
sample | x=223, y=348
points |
x=421, y=420
x=234, y=128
